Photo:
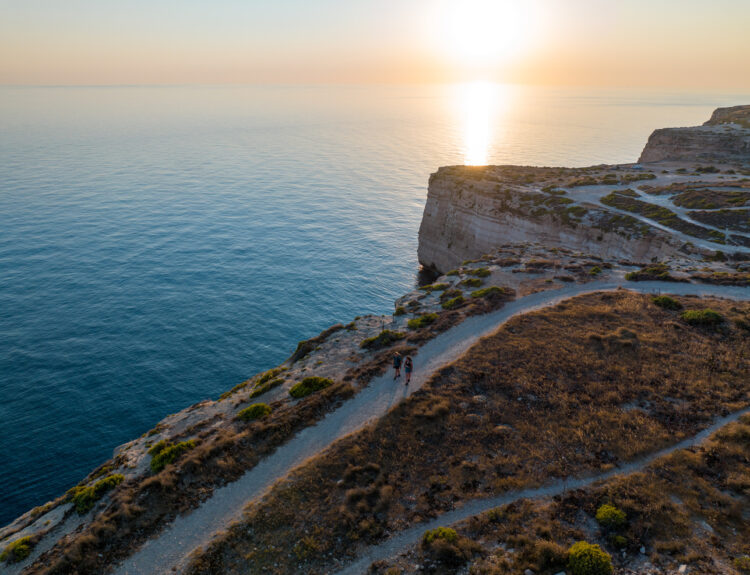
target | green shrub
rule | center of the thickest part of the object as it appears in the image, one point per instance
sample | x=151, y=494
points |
x=666, y=302
x=742, y=564
x=549, y=555
x=84, y=497
x=434, y=287
x=267, y=386
x=471, y=282
x=610, y=517
x=168, y=453
x=702, y=317
x=255, y=411
x=444, y=533
x=587, y=559
x=309, y=385
x=400, y=310
x=17, y=551
x=595, y=271
x=489, y=291
x=453, y=303
x=422, y=321
x=383, y=339
x=480, y=272
x=453, y=273
x=618, y=541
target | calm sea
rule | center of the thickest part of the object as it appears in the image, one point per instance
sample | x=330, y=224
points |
x=159, y=245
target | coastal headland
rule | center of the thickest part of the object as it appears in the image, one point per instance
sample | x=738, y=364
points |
x=582, y=376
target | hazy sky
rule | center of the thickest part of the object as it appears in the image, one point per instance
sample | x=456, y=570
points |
x=661, y=43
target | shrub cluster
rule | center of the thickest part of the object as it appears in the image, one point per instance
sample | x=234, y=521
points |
x=610, y=517
x=489, y=291
x=166, y=452
x=434, y=287
x=471, y=282
x=588, y=559
x=655, y=272
x=255, y=411
x=445, y=533
x=666, y=302
x=84, y=497
x=422, y=321
x=453, y=303
x=309, y=385
x=383, y=339
x=480, y=272
x=266, y=386
x=702, y=317
x=17, y=551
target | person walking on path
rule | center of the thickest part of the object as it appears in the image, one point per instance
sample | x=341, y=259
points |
x=408, y=365
x=397, y=364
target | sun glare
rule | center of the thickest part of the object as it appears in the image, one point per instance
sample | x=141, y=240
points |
x=485, y=32
x=478, y=104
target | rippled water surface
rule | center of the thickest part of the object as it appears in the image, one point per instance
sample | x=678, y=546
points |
x=159, y=245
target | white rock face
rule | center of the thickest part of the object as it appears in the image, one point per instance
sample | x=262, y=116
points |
x=466, y=218
x=729, y=143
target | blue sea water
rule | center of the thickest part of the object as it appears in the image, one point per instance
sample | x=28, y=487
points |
x=159, y=245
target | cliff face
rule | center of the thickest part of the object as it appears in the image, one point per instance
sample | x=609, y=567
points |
x=727, y=143
x=470, y=212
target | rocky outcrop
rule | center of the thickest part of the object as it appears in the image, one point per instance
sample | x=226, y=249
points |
x=739, y=115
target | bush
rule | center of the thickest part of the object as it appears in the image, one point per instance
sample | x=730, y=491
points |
x=400, y=310
x=267, y=386
x=489, y=291
x=444, y=533
x=702, y=317
x=453, y=303
x=309, y=385
x=255, y=411
x=666, y=302
x=383, y=339
x=587, y=559
x=434, y=287
x=471, y=282
x=618, y=541
x=549, y=555
x=17, y=551
x=480, y=272
x=84, y=497
x=610, y=517
x=453, y=273
x=595, y=271
x=422, y=321
x=167, y=453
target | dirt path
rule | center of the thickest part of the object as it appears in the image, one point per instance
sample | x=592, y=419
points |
x=405, y=539
x=170, y=550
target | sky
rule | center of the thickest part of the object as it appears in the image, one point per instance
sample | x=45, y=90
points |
x=676, y=44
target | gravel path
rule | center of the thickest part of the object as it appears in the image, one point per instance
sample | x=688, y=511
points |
x=405, y=539
x=169, y=551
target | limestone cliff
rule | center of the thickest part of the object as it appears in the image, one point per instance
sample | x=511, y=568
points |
x=725, y=138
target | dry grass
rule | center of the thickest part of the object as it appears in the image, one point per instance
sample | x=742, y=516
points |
x=595, y=381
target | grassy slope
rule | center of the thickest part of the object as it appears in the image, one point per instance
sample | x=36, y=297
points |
x=595, y=381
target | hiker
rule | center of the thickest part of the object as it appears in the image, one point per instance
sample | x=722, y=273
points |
x=397, y=364
x=408, y=364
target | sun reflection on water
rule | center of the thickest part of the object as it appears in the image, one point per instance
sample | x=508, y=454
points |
x=478, y=102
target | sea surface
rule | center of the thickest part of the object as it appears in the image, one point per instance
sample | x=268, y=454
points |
x=159, y=245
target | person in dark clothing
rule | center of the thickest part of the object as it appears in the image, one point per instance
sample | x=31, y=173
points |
x=408, y=366
x=397, y=364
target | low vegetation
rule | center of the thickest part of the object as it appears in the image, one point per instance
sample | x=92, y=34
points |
x=480, y=272
x=422, y=321
x=84, y=497
x=610, y=517
x=490, y=292
x=579, y=388
x=434, y=287
x=385, y=338
x=587, y=559
x=655, y=272
x=309, y=385
x=666, y=302
x=471, y=282
x=453, y=303
x=166, y=452
x=17, y=551
x=255, y=411
x=702, y=317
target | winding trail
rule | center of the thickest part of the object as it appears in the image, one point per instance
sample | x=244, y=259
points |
x=169, y=551
x=405, y=539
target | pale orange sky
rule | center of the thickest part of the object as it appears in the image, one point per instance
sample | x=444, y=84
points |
x=690, y=44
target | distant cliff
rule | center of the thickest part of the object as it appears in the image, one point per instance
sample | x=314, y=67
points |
x=725, y=138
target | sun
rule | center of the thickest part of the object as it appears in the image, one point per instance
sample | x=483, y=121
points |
x=485, y=32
